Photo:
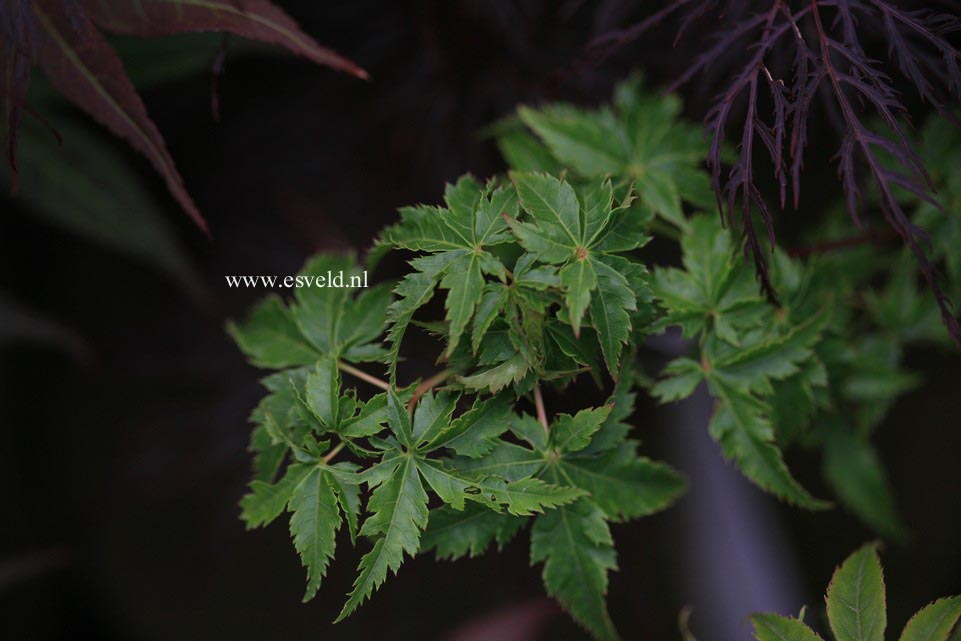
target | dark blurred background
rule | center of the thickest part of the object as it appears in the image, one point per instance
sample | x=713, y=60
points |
x=123, y=404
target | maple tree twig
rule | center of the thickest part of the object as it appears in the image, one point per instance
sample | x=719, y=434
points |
x=843, y=243
x=539, y=404
x=362, y=375
x=427, y=385
x=331, y=454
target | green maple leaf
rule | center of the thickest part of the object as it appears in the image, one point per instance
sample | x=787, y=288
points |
x=582, y=232
x=320, y=321
x=280, y=407
x=516, y=338
x=640, y=140
x=528, y=293
x=314, y=523
x=398, y=504
x=853, y=468
x=577, y=550
x=320, y=498
x=453, y=534
x=456, y=239
x=715, y=290
x=740, y=379
x=574, y=541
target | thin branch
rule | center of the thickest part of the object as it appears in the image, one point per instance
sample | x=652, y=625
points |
x=427, y=385
x=870, y=236
x=331, y=454
x=607, y=43
x=362, y=375
x=539, y=404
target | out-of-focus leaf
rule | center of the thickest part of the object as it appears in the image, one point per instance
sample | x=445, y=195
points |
x=79, y=63
x=852, y=467
x=19, y=323
x=63, y=38
x=87, y=187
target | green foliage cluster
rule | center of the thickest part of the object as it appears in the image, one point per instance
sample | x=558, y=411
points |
x=545, y=278
x=857, y=609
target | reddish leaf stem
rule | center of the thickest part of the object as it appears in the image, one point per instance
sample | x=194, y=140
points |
x=362, y=375
x=871, y=235
x=539, y=405
x=427, y=385
x=331, y=454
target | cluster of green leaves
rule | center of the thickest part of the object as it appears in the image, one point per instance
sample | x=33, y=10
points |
x=822, y=369
x=543, y=280
x=857, y=611
x=746, y=347
x=540, y=287
x=509, y=255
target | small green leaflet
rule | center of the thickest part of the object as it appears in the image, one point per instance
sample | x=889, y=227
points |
x=267, y=501
x=934, y=622
x=333, y=410
x=855, y=598
x=320, y=321
x=581, y=232
x=313, y=525
x=774, y=627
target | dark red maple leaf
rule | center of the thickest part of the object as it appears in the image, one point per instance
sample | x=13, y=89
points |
x=64, y=38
